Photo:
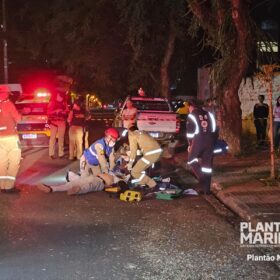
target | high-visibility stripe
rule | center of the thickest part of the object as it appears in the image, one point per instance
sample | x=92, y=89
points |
x=3, y=127
x=92, y=152
x=216, y=151
x=145, y=160
x=124, y=133
x=192, y=161
x=139, y=179
x=192, y=117
x=153, y=152
x=190, y=135
x=213, y=121
x=8, y=177
x=206, y=170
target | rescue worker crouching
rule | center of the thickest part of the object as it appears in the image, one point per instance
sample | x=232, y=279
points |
x=151, y=153
x=10, y=149
x=77, y=121
x=100, y=157
x=202, y=135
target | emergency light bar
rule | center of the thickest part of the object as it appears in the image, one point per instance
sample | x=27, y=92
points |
x=42, y=94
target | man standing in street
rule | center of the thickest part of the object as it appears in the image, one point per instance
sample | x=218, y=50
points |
x=129, y=115
x=77, y=121
x=57, y=115
x=260, y=120
x=201, y=134
x=10, y=150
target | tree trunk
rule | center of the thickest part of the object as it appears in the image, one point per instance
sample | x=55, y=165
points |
x=231, y=121
x=165, y=81
x=231, y=115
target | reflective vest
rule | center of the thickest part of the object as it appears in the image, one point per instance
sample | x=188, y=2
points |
x=200, y=122
x=91, y=154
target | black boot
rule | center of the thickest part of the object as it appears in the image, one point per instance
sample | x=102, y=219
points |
x=12, y=190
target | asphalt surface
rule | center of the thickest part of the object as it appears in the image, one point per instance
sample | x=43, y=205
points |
x=93, y=236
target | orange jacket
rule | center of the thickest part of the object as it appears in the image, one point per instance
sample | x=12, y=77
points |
x=9, y=116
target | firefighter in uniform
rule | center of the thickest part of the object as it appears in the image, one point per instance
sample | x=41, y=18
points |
x=100, y=157
x=57, y=116
x=151, y=153
x=10, y=150
x=201, y=134
x=77, y=121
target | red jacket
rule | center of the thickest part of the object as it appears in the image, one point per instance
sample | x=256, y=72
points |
x=9, y=116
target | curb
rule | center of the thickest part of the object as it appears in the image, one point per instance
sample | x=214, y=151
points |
x=241, y=209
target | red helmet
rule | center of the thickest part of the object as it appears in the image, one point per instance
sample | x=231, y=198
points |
x=112, y=132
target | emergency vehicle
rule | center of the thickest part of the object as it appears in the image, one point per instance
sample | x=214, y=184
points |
x=155, y=115
x=34, y=129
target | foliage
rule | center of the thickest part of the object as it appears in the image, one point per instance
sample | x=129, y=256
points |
x=77, y=37
x=148, y=29
x=220, y=36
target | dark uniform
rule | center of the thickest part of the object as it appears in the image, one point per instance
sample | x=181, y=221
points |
x=201, y=134
x=57, y=115
x=260, y=121
x=77, y=121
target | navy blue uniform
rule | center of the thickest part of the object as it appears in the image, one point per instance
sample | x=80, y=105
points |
x=201, y=134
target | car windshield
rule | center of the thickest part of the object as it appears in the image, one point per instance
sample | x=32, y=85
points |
x=32, y=108
x=151, y=105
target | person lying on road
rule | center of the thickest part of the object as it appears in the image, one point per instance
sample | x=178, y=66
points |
x=83, y=185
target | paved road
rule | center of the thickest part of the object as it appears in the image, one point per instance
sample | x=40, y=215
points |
x=93, y=236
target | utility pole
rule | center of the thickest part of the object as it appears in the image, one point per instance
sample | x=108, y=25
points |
x=5, y=43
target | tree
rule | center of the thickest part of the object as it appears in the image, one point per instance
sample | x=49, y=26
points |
x=152, y=33
x=81, y=38
x=229, y=31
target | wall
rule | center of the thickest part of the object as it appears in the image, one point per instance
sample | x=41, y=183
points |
x=248, y=94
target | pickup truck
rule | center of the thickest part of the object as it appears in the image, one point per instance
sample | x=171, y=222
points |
x=155, y=116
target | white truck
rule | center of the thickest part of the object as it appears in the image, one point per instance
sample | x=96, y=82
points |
x=155, y=116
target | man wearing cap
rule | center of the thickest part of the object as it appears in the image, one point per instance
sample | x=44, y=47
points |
x=83, y=185
x=201, y=135
x=10, y=150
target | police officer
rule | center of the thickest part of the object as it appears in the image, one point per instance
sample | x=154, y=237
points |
x=201, y=134
x=151, y=153
x=10, y=150
x=99, y=157
x=57, y=116
x=77, y=121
